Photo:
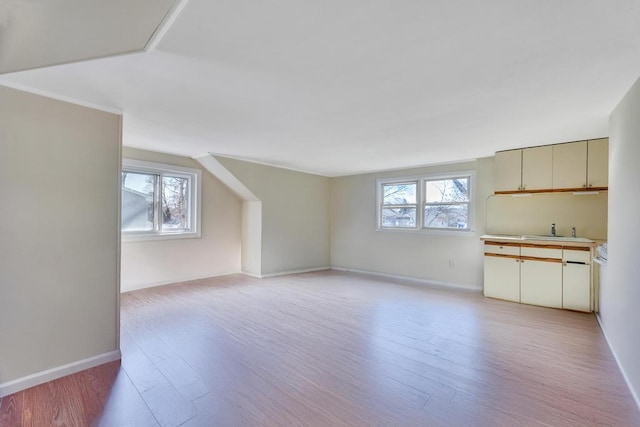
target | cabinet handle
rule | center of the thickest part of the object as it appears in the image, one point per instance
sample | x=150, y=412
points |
x=590, y=185
x=584, y=185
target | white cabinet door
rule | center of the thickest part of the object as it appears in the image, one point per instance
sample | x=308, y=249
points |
x=598, y=163
x=576, y=286
x=537, y=168
x=576, y=279
x=570, y=165
x=508, y=170
x=502, y=278
x=541, y=283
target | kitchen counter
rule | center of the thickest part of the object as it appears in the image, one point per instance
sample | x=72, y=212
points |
x=548, y=271
x=541, y=240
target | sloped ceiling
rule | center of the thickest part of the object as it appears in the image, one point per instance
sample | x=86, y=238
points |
x=40, y=33
x=342, y=87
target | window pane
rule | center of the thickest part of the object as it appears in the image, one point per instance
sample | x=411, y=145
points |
x=175, y=203
x=137, y=201
x=399, y=194
x=447, y=190
x=399, y=217
x=446, y=216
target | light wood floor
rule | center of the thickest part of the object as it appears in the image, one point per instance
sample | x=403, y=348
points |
x=337, y=349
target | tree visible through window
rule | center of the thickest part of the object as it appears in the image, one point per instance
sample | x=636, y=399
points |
x=399, y=205
x=175, y=203
x=158, y=199
x=445, y=202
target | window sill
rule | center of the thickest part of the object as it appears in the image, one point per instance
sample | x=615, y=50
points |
x=430, y=231
x=126, y=238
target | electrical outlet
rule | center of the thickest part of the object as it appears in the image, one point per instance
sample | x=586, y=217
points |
x=451, y=263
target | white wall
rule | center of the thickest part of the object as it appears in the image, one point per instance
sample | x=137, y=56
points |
x=59, y=236
x=295, y=215
x=252, y=237
x=217, y=252
x=356, y=245
x=619, y=299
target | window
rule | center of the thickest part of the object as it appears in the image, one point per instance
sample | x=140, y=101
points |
x=399, y=206
x=159, y=201
x=444, y=203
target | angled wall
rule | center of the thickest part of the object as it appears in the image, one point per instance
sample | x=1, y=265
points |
x=251, y=221
x=294, y=231
x=60, y=238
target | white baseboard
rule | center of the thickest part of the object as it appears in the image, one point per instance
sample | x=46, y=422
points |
x=284, y=273
x=254, y=275
x=138, y=286
x=57, y=372
x=410, y=279
x=615, y=356
x=372, y=273
x=129, y=288
x=302, y=270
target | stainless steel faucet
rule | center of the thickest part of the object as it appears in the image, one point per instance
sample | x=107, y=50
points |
x=573, y=232
x=553, y=229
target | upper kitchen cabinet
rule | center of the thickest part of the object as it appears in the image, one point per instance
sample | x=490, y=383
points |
x=508, y=170
x=581, y=165
x=598, y=163
x=537, y=168
x=523, y=170
x=570, y=165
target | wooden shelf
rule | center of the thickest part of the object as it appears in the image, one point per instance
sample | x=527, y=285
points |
x=557, y=190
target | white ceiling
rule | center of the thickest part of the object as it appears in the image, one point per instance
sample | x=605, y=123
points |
x=341, y=87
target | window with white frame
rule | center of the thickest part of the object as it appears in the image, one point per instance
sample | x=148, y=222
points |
x=435, y=202
x=399, y=207
x=159, y=201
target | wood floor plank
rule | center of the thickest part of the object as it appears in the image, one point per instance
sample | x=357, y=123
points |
x=169, y=407
x=124, y=406
x=11, y=409
x=178, y=372
x=334, y=349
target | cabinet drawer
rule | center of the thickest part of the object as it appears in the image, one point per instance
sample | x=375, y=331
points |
x=542, y=252
x=501, y=248
x=577, y=256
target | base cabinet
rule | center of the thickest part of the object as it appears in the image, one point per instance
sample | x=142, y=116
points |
x=576, y=280
x=546, y=275
x=541, y=283
x=502, y=278
x=576, y=294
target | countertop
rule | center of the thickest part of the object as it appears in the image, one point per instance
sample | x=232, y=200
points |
x=541, y=240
